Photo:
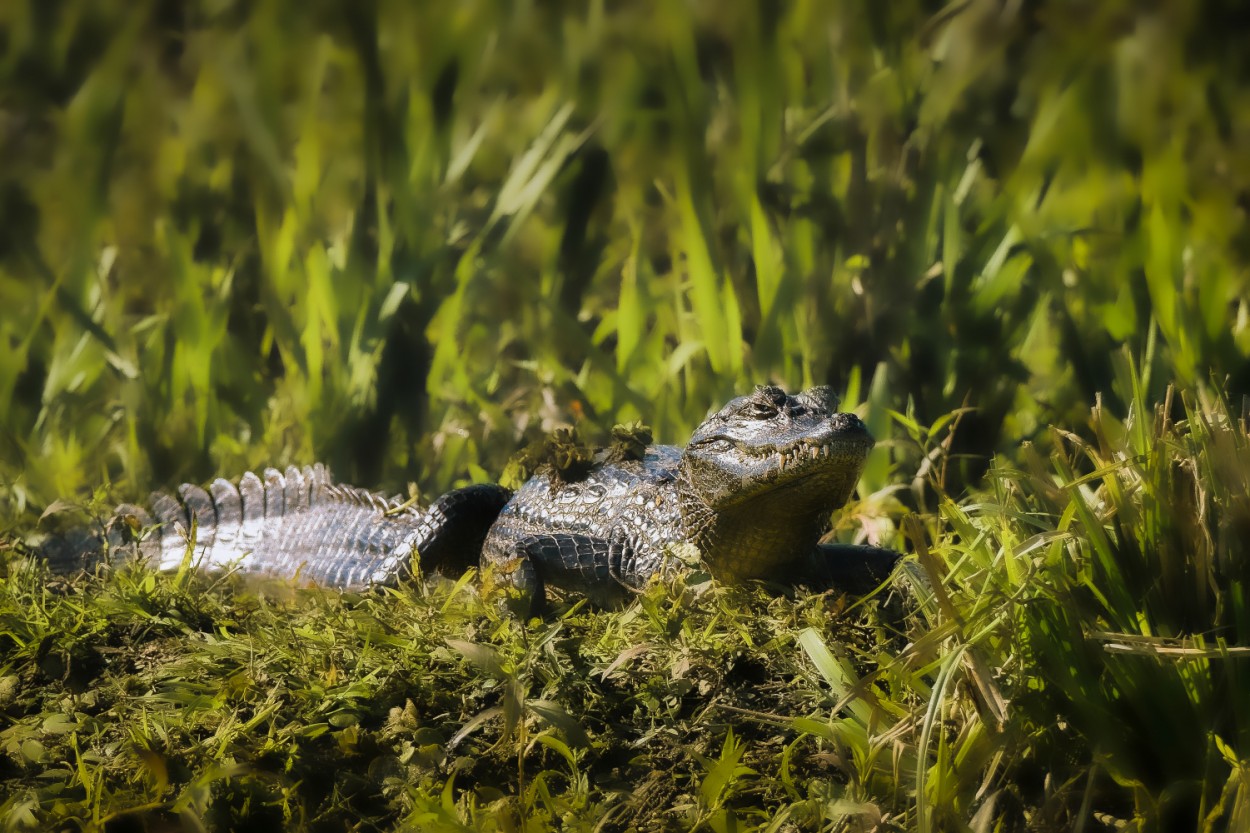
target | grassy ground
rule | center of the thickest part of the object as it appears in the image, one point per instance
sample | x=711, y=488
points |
x=403, y=239
x=1064, y=651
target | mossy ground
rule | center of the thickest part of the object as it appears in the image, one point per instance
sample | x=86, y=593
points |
x=1065, y=650
x=136, y=700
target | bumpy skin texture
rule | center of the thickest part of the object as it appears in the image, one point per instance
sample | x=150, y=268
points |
x=298, y=524
x=753, y=490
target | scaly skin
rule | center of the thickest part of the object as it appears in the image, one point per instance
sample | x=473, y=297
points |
x=753, y=491
x=297, y=524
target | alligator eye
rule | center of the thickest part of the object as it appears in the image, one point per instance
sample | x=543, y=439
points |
x=761, y=410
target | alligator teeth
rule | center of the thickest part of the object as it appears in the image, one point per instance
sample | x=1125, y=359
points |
x=789, y=456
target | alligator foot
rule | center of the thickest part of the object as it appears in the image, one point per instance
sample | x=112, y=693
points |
x=853, y=568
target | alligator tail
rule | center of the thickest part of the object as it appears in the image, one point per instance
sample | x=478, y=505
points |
x=299, y=524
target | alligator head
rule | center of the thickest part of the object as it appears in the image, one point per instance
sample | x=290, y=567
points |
x=761, y=476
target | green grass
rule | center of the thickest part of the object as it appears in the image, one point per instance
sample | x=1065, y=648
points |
x=158, y=697
x=405, y=239
x=1064, y=650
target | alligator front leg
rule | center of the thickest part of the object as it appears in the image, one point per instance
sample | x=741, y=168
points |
x=853, y=568
x=582, y=564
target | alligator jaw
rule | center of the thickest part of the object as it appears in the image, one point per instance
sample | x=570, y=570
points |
x=757, y=493
x=795, y=457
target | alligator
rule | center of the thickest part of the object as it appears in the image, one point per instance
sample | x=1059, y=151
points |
x=753, y=491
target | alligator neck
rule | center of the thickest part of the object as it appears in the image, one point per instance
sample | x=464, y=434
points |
x=751, y=540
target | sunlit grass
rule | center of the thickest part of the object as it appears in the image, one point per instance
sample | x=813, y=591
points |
x=1034, y=665
x=210, y=699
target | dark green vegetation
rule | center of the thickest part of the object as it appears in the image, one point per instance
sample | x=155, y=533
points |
x=403, y=238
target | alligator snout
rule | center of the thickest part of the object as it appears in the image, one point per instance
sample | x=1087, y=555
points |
x=846, y=423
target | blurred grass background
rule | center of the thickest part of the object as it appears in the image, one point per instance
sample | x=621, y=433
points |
x=398, y=236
